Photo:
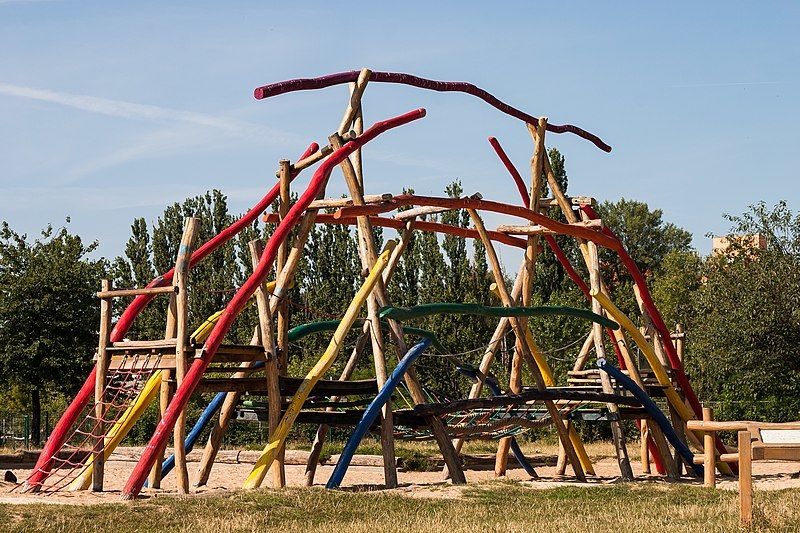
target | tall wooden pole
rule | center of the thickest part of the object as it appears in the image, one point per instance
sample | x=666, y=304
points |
x=555, y=414
x=617, y=434
x=181, y=281
x=98, y=453
x=265, y=325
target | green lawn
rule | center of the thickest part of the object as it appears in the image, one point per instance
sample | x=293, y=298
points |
x=495, y=506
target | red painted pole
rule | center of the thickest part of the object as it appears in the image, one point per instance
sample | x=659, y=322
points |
x=574, y=276
x=661, y=328
x=240, y=299
x=306, y=84
x=62, y=428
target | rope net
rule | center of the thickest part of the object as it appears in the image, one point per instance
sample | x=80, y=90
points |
x=122, y=388
x=489, y=423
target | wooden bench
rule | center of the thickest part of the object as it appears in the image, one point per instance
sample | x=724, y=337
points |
x=757, y=441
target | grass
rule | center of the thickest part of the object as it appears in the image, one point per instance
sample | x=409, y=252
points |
x=494, y=506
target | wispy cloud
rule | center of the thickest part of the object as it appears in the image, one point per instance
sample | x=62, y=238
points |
x=183, y=130
x=136, y=111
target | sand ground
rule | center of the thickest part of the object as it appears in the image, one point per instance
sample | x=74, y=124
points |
x=229, y=476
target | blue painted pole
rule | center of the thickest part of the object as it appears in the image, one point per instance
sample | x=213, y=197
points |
x=654, y=412
x=372, y=411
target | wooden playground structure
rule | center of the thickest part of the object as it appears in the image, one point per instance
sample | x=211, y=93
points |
x=130, y=375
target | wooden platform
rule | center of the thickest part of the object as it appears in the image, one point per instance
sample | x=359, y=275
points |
x=160, y=354
x=589, y=379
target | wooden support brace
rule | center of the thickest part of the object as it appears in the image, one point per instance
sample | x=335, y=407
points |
x=265, y=326
x=98, y=453
x=552, y=410
x=190, y=229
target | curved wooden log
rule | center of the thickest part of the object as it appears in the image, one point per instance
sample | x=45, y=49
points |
x=421, y=225
x=321, y=82
x=482, y=205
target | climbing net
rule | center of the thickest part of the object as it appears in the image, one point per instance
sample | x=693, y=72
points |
x=122, y=388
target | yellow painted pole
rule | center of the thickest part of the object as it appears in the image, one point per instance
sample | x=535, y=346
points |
x=655, y=364
x=125, y=423
x=549, y=381
x=276, y=440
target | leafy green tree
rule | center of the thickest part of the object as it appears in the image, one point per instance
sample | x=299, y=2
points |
x=746, y=325
x=48, y=313
x=212, y=282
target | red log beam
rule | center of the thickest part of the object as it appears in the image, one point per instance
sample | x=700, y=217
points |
x=307, y=84
x=481, y=205
x=421, y=225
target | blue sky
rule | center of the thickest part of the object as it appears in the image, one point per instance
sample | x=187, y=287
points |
x=112, y=110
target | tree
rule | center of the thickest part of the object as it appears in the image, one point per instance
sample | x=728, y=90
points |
x=211, y=283
x=643, y=233
x=746, y=325
x=49, y=314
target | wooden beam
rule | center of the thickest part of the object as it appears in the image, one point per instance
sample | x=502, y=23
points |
x=558, y=421
x=541, y=230
x=329, y=203
x=98, y=453
x=121, y=293
x=429, y=210
x=181, y=280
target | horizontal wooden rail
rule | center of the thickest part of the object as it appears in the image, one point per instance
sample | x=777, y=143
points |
x=420, y=225
x=739, y=425
x=327, y=203
x=541, y=230
x=121, y=293
x=482, y=205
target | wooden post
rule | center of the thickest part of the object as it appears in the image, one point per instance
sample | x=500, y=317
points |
x=322, y=430
x=165, y=395
x=98, y=454
x=528, y=274
x=745, y=479
x=378, y=298
x=220, y=427
x=555, y=414
x=282, y=339
x=617, y=434
x=265, y=324
x=709, y=465
x=644, y=433
x=167, y=387
x=181, y=281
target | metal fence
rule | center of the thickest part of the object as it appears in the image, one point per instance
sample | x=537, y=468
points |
x=15, y=430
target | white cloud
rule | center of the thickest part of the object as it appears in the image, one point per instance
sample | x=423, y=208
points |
x=184, y=130
x=132, y=110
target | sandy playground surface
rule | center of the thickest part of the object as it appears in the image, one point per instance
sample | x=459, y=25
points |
x=366, y=474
